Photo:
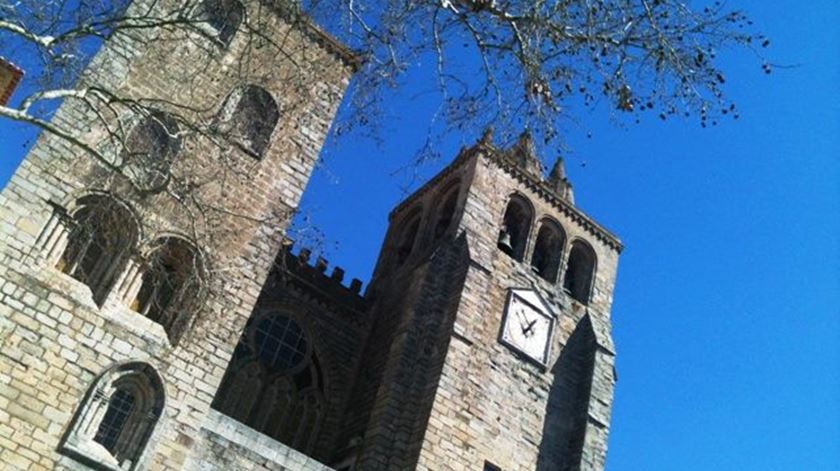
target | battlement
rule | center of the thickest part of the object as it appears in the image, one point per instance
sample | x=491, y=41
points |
x=315, y=276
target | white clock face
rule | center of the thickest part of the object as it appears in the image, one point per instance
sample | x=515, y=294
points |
x=527, y=325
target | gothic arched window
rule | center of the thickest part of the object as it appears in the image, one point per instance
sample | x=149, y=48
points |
x=171, y=282
x=446, y=211
x=224, y=16
x=116, y=418
x=103, y=235
x=274, y=383
x=249, y=117
x=408, y=235
x=516, y=224
x=580, y=271
x=149, y=150
x=548, y=250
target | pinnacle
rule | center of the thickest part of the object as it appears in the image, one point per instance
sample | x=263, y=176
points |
x=558, y=181
x=558, y=172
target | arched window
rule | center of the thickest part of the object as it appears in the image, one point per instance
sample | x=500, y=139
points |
x=516, y=225
x=224, y=16
x=116, y=418
x=249, y=117
x=446, y=212
x=104, y=233
x=149, y=150
x=171, y=282
x=274, y=382
x=408, y=235
x=580, y=271
x=548, y=250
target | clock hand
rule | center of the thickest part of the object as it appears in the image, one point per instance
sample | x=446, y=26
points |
x=530, y=328
x=521, y=317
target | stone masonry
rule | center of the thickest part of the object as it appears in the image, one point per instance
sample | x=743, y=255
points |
x=277, y=362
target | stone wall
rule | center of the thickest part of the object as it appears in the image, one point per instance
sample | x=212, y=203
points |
x=55, y=339
x=411, y=305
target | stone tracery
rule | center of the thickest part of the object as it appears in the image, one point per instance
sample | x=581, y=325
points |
x=274, y=383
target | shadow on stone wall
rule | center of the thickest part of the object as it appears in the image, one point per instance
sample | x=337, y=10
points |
x=564, y=429
x=409, y=347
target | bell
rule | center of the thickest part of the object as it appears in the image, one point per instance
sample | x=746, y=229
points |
x=504, y=242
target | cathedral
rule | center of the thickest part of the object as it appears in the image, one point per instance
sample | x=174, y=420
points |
x=154, y=314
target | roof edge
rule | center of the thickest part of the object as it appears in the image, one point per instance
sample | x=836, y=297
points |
x=290, y=11
x=538, y=186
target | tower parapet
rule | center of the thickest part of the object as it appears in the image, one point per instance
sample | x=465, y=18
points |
x=330, y=286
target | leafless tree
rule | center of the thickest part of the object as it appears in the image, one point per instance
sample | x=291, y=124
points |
x=506, y=63
x=524, y=63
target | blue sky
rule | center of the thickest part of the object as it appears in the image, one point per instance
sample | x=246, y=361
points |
x=727, y=306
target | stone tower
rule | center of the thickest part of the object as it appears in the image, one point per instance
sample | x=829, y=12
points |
x=490, y=346
x=126, y=279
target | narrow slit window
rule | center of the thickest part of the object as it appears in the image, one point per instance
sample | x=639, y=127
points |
x=446, y=213
x=408, y=237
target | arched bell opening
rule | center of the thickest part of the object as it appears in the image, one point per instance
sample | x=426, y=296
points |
x=516, y=225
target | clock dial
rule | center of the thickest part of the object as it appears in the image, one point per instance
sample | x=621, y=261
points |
x=527, y=325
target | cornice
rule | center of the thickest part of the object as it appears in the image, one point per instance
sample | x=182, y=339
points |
x=539, y=187
x=463, y=156
x=534, y=183
x=14, y=74
x=289, y=10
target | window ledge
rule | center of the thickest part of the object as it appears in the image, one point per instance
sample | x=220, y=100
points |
x=138, y=324
x=112, y=310
x=240, y=434
x=70, y=287
x=92, y=454
x=211, y=34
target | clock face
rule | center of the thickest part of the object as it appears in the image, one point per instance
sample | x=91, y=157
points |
x=527, y=325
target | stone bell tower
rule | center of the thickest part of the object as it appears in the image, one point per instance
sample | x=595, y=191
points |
x=491, y=344
x=130, y=263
